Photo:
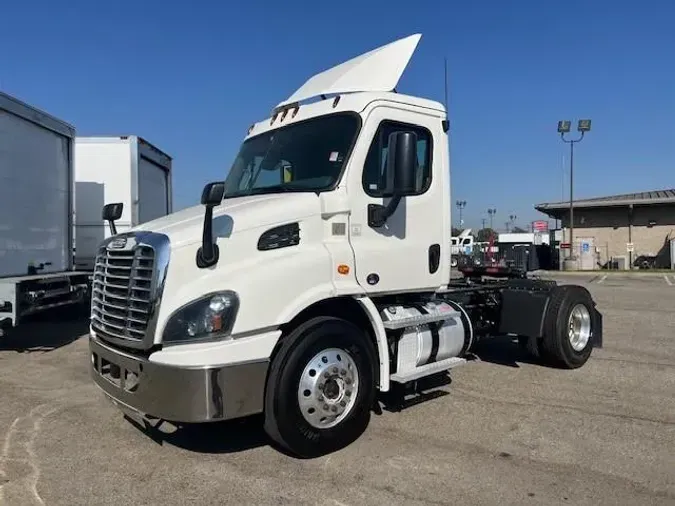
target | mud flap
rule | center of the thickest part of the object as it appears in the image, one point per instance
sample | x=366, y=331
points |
x=598, y=331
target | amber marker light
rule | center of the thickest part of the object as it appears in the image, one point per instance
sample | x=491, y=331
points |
x=343, y=269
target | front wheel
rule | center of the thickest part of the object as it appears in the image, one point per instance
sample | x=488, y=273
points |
x=320, y=388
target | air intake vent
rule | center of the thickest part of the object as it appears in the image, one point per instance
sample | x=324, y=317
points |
x=280, y=237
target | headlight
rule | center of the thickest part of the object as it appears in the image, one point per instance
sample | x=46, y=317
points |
x=210, y=317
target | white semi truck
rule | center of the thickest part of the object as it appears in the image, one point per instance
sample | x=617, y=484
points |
x=317, y=275
x=36, y=214
x=121, y=169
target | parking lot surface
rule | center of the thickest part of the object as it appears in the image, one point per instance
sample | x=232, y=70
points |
x=504, y=431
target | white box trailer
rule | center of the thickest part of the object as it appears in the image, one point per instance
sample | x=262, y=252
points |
x=125, y=169
x=36, y=213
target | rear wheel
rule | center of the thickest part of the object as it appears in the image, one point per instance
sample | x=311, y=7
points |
x=569, y=327
x=320, y=388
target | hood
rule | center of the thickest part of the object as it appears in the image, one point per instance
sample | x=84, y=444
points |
x=233, y=215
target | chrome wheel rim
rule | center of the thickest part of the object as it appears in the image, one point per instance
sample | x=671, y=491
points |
x=579, y=327
x=328, y=388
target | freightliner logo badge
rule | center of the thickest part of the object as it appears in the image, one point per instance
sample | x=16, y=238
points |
x=119, y=243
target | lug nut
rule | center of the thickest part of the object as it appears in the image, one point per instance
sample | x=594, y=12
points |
x=320, y=398
x=348, y=393
x=334, y=409
x=348, y=381
x=343, y=372
x=326, y=374
x=325, y=407
x=343, y=404
x=335, y=370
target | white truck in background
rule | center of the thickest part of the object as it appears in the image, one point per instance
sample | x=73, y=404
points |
x=36, y=214
x=316, y=276
x=461, y=245
x=124, y=169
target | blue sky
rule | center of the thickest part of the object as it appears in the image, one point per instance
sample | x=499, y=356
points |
x=191, y=78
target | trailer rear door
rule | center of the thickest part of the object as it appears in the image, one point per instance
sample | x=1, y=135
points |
x=153, y=190
x=35, y=213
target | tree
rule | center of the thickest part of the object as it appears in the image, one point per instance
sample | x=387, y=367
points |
x=456, y=231
x=484, y=234
x=518, y=230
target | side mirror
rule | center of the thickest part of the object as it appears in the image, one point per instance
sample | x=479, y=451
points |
x=212, y=196
x=111, y=213
x=401, y=166
x=402, y=161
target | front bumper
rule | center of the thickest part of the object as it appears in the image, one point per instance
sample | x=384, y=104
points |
x=177, y=394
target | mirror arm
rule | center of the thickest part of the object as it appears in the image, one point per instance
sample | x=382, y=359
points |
x=113, y=228
x=208, y=253
x=379, y=214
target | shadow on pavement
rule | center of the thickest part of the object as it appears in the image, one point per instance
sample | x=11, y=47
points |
x=219, y=437
x=502, y=350
x=45, y=332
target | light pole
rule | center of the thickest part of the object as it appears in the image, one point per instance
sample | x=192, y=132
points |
x=461, y=204
x=483, y=220
x=512, y=220
x=564, y=127
x=492, y=213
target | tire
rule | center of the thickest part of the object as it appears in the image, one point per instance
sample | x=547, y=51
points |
x=560, y=346
x=293, y=411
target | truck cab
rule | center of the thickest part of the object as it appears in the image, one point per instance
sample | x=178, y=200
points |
x=314, y=276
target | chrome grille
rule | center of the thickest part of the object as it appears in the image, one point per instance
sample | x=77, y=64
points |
x=122, y=296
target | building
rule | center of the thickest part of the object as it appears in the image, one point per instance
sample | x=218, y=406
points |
x=618, y=230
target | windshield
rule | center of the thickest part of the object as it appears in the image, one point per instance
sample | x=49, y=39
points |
x=306, y=156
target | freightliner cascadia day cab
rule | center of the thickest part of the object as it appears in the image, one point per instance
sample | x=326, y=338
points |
x=316, y=276
x=36, y=214
x=123, y=169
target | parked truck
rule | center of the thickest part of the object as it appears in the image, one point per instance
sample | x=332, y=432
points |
x=36, y=214
x=461, y=245
x=123, y=169
x=317, y=276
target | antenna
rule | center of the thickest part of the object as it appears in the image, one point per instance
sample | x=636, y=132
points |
x=446, y=123
x=446, y=86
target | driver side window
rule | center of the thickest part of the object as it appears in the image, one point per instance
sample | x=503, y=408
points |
x=376, y=180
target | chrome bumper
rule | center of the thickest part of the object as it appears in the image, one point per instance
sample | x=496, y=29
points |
x=177, y=394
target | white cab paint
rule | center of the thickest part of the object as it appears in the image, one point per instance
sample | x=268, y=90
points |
x=124, y=169
x=377, y=70
x=398, y=252
x=231, y=351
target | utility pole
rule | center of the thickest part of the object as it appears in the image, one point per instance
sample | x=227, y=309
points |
x=483, y=220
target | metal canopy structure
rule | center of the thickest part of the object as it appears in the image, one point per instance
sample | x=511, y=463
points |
x=635, y=199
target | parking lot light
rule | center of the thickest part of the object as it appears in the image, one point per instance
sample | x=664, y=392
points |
x=564, y=127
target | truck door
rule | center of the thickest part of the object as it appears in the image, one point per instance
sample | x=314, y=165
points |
x=405, y=253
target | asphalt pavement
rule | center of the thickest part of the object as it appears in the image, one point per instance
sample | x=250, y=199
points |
x=503, y=431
